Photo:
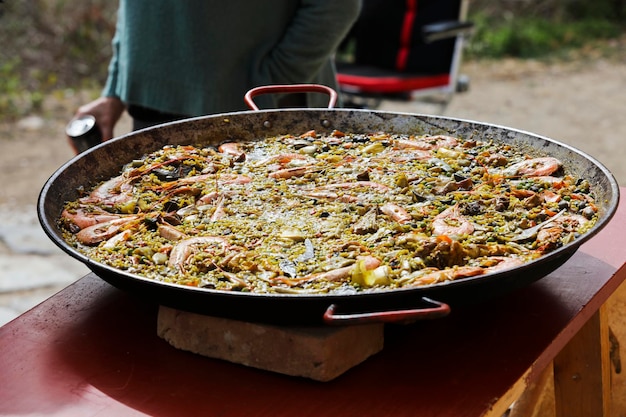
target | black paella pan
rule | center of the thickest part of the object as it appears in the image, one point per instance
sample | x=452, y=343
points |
x=105, y=161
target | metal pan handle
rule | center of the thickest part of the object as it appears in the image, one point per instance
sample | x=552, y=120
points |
x=290, y=88
x=396, y=316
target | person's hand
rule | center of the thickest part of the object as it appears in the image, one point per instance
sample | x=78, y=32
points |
x=107, y=111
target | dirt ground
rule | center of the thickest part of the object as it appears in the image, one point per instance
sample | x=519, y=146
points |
x=581, y=103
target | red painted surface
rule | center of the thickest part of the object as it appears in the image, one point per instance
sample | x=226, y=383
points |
x=392, y=84
x=92, y=350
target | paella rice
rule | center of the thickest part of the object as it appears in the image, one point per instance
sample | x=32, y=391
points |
x=330, y=213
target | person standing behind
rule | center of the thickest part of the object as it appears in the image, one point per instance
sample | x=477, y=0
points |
x=174, y=59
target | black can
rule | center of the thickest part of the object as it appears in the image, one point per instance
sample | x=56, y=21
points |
x=83, y=133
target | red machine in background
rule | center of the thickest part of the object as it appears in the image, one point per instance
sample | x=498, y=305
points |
x=404, y=50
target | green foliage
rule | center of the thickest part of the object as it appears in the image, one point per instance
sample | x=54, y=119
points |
x=50, y=45
x=552, y=10
x=10, y=87
x=529, y=37
x=611, y=10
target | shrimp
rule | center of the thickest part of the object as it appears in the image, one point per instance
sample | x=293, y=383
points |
x=115, y=241
x=572, y=222
x=183, y=249
x=287, y=158
x=238, y=179
x=209, y=198
x=531, y=232
x=233, y=149
x=219, y=212
x=81, y=218
x=433, y=275
x=553, y=232
x=332, y=276
x=550, y=196
x=549, y=237
x=289, y=172
x=117, y=190
x=427, y=143
x=535, y=167
x=170, y=232
x=288, y=165
x=396, y=212
x=502, y=263
x=451, y=222
x=218, y=199
x=100, y=232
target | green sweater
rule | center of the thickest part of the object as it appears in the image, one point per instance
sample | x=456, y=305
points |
x=197, y=57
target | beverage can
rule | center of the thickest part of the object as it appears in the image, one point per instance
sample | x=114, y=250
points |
x=83, y=133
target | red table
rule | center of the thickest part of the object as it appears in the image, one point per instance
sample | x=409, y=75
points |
x=92, y=350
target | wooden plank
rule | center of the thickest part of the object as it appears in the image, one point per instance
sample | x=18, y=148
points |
x=582, y=385
x=538, y=399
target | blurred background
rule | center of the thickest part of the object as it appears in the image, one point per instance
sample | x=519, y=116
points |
x=59, y=47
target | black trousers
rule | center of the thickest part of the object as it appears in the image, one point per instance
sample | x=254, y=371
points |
x=144, y=117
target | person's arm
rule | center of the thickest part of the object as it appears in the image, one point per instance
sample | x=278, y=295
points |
x=316, y=31
x=108, y=108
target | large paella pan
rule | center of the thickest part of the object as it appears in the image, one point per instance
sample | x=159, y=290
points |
x=427, y=295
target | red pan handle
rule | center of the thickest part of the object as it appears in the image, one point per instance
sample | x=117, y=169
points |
x=290, y=88
x=396, y=316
